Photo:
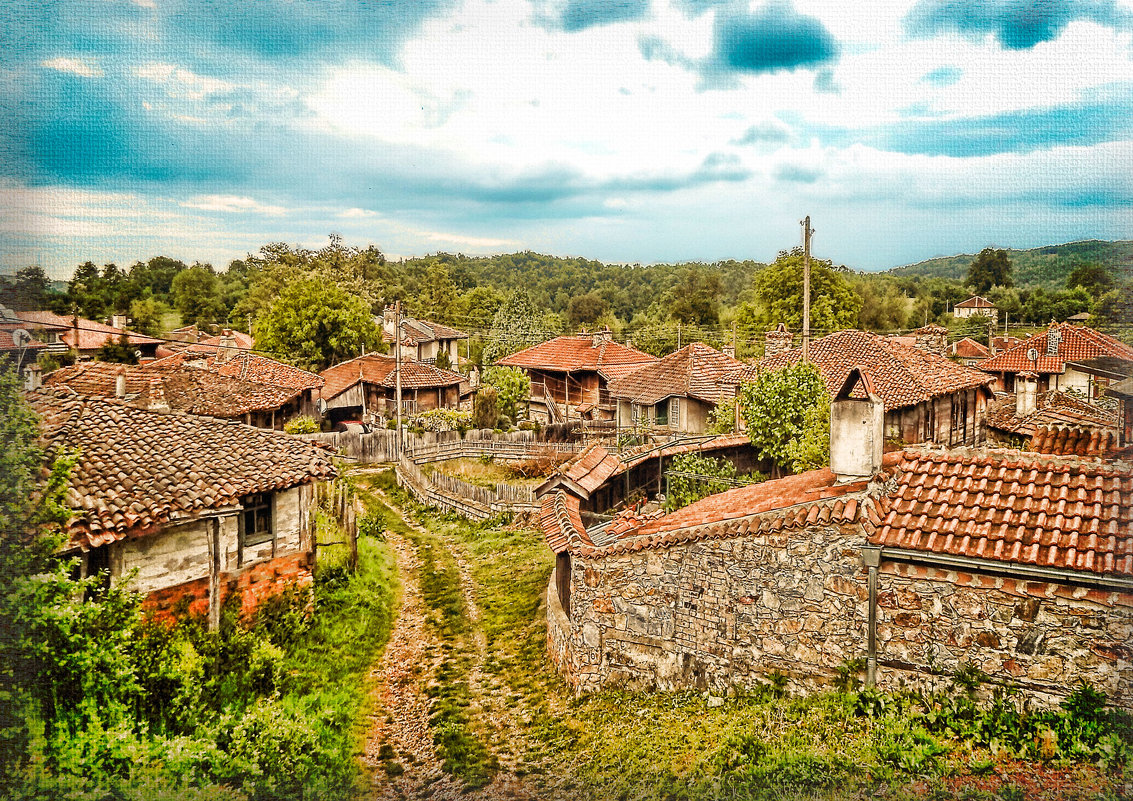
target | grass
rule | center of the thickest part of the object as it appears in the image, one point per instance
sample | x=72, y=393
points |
x=480, y=473
x=757, y=744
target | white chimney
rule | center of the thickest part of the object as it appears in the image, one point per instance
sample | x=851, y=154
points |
x=119, y=321
x=857, y=430
x=601, y=336
x=120, y=382
x=157, y=402
x=729, y=350
x=227, y=347
x=1026, y=394
x=1053, y=338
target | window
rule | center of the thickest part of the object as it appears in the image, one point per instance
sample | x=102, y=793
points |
x=255, y=521
x=660, y=414
x=675, y=412
x=634, y=413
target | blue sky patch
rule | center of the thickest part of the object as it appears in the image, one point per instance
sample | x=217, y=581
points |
x=775, y=37
x=1017, y=24
x=942, y=76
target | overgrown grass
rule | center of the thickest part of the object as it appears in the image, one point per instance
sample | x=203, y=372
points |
x=482, y=473
x=759, y=744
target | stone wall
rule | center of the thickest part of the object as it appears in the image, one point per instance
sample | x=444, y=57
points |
x=716, y=613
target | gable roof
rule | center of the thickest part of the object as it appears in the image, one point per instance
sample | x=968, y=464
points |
x=608, y=358
x=92, y=335
x=379, y=369
x=241, y=340
x=138, y=471
x=1078, y=343
x=1051, y=409
x=184, y=389
x=694, y=371
x=246, y=366
x=968, y=348
x=415, y=331
x=901, y=375
x=975, y=302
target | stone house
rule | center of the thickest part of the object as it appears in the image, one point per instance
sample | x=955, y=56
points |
x=181, y=388
x=975, y=306
x=187, y=507
x=421, y=340
x=676, y=393
x=571, y=375
x=62, y=333
x=365, y=388
x=1062, y=357
x=917, y=561
x=927, y=397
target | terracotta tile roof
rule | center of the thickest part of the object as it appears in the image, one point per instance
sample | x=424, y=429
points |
x=1051, y=409
x=212, y=344
x=185, y=389
x=92, y=334
x=138, y=470
x=693, y=371
x=1074, y=441
x=975, y=302
x=968, y=348
x=8, y=342
x=901, y=375
x=609, y=359
x=1078, y=343
x=1005, y=342
x=560, y=520
x=246, y=366
x=379, y=369
x=1012, y=506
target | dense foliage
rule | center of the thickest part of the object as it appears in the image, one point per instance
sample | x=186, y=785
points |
x=692, y=476
x=787, y=413
x=318, y=324
x=512, y=387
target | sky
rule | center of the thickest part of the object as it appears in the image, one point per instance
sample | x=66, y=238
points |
x=618, y=130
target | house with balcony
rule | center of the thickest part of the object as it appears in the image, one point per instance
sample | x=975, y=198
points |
x=571, y=375
x=365, y=388
x=421, y=340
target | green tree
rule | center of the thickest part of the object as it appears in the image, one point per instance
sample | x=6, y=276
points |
x=438, y=297
x=1094, y=278
x=517, y=324
x=196, y=295
x=85, y=289
x=990, y=268
x=692, y=476
x=485, y=408
x=117, y=351
x=695, y=299
x=512, y=386
x=586, y=309
x=314, y=324
x=146, y=316
x=782, y=423
x=26, y=290
x=779, y=295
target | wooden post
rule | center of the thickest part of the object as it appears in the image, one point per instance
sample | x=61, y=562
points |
x=807, y=232
x=214, y=574
x=397, y=370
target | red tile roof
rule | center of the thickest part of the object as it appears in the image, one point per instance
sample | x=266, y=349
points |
x=138, y=471
x=694, y=371
x=1078, y=343
x=246, y=366
x=92, y=335
x=901, y=375
x=975, y=302
x=212, y=344
x=8, y=342
x=185, y=389
x=609, y=359
x=1012, y=507
x=1051, y=409
x=968, y=348
x=1073, y=441
x=379, y=369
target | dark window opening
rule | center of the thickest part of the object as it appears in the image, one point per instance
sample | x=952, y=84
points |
x=98, y=565
x=255, y=522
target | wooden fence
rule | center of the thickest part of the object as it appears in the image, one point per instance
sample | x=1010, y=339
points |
x=455, y=495
x=380, y=447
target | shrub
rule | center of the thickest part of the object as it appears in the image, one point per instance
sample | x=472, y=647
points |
x=302, y=425
x=437, y=420
x=485, y=408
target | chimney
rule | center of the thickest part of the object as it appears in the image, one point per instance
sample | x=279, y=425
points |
x=119, y=321
x=1026, y=394
x=389, y=319
x=1053, y=338
x=157, y=401
x=857, y=430
x=120, y=382
x=474, y=377
x=629, y=342
x=729, y=350
x=777, y=341
x=227, y=348
x=602, y=336
x=932, y=339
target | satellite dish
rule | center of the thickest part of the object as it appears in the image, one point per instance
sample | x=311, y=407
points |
x=21, y=338
x=137, y=354
x=1033, y=354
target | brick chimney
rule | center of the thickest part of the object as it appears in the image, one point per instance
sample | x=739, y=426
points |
x=1053, y=339
x=777, y=341
x=932, y=339
x=857, y=429
x=157, y=402
x=1026, y=393
x=120, y=382
x=601, y=336
x=227, y=348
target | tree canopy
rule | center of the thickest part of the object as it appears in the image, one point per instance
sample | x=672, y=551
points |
x=779, y=295
x=787, y=413
x=315, y=324
x=990, y=268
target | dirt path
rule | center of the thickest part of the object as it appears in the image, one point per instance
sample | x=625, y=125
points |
x=401, y=709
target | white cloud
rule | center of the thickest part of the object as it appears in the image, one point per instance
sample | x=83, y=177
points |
x=235, y=204
x=74, y=66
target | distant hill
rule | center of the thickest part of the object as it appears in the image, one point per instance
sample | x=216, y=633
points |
x=1047, y=266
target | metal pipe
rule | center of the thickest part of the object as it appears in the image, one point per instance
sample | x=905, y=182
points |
x=1011, y=569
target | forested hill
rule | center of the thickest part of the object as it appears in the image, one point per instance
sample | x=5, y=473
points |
x=1047, y=266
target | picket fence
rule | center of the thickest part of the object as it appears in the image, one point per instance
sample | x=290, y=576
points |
x=454, y=495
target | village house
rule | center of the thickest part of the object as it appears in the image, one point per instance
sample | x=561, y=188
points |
x=421, y=340
x=916, y=562
x=968, y=352
x=927, y=397
x=202, y=509
x=1064, y=357
x=570, y=375
x=365, y=388
x=676, y=393
x=182, y=388
x=1122, y=392
x=62, y=333
x=231, y=361
x=1014, y=418
x=975, y=306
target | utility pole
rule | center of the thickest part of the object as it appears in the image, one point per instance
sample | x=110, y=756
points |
x=397, y=370
x=807, y=233
x=678, y=336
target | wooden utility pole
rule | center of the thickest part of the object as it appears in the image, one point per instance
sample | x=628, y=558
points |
x=397, y=368
x=807, y=233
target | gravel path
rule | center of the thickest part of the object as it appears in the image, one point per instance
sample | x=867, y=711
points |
x=401, y=706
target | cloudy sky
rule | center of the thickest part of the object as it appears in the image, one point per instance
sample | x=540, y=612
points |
x=621, y=130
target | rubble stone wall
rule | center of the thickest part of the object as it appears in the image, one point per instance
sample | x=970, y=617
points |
x=718, y=613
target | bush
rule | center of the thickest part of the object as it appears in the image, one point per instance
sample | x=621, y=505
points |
x=485, y=408
x=437, y=420
x=302, y=425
